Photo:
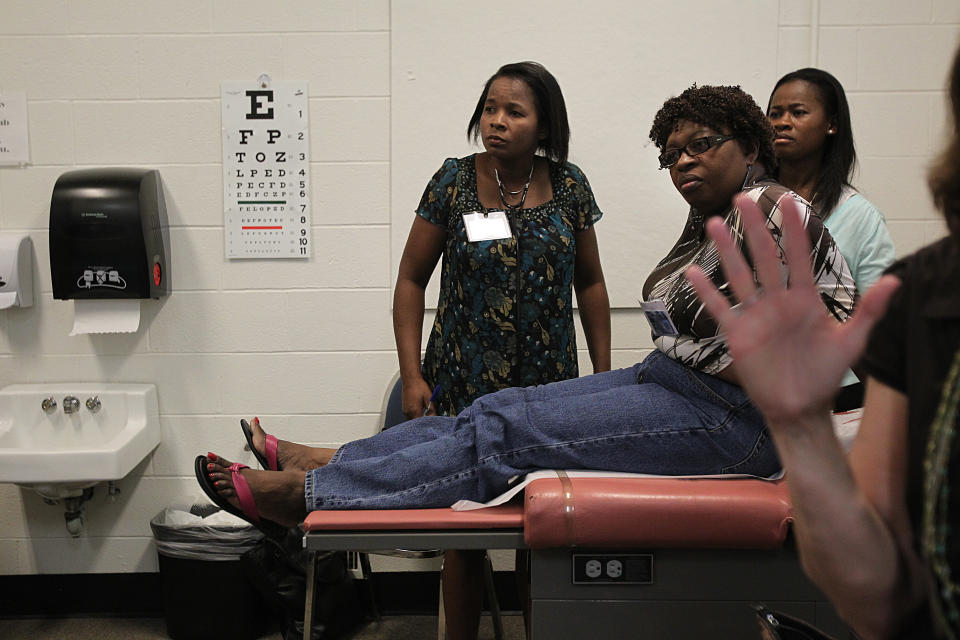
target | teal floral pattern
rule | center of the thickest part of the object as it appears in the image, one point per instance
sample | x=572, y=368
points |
x=505, y=313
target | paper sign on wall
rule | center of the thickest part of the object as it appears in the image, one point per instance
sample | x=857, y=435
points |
x=266, y=170
x=14, y=143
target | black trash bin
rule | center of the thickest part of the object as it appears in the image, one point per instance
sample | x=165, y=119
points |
x=206, y=592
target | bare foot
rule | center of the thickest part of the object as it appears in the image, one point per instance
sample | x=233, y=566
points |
x=278, y=494
x=290, y=455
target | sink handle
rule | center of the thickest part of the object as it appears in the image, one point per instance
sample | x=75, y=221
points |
x=71, y=404
x=93, y=404
x=49, y=405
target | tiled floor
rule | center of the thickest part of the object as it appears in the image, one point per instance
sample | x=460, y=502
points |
x=389, y=628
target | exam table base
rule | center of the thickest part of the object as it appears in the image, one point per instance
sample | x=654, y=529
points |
x=695, y=593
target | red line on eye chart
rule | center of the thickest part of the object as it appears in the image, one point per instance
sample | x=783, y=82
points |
x=260, y=228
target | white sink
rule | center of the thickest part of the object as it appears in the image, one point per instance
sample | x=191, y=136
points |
x=62, y=452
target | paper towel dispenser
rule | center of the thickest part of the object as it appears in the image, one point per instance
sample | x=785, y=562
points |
x=108, y=235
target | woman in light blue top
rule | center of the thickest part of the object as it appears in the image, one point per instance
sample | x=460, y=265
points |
x=814, y=146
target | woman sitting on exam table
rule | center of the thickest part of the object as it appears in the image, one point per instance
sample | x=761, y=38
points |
x=878, y=530
x=678, y=412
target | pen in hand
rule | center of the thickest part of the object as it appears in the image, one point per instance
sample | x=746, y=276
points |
x=433, y=396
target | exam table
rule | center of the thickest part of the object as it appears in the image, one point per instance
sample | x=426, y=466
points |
x=639, y=558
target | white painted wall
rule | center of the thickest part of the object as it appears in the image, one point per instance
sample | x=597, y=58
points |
x=308, y=346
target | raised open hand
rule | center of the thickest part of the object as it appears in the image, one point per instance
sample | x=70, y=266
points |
x=788, y=353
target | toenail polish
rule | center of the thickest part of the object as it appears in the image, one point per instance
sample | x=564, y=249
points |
x=212, y=456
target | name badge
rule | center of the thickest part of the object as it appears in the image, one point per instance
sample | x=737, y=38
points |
x=493, y=225
x=659, y=318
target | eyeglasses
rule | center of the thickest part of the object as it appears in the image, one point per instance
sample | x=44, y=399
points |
x=695, y=147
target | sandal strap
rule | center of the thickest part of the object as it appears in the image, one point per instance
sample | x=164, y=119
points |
x=270, y=449
x=244, y=495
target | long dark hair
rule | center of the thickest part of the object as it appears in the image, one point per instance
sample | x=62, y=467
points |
x=548, y=99
x=944, y=175
x=838, y=157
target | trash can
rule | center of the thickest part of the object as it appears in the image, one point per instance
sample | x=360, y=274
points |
x=206, y=593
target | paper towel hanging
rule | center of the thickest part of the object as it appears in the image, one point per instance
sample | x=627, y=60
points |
x=16, y=270
x=108, y=246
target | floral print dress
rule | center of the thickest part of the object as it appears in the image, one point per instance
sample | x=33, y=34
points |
x=505, y=312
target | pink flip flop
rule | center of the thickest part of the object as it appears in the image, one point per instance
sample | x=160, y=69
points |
x=267, y=459
x=248, y=506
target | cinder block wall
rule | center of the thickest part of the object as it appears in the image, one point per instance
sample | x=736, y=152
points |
x=892, y=59
x=308, y=346
x=305, y=345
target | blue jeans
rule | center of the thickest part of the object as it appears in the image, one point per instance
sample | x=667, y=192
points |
x=657, y=417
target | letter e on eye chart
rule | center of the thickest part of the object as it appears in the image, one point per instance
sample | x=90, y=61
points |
x=266, y=169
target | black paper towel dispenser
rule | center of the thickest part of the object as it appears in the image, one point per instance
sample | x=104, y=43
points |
x=108, y=231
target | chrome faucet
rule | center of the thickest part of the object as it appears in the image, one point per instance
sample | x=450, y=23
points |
x=71, y=404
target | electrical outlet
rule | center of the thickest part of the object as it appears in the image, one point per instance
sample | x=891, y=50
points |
x=612, y=568
x=593, y=569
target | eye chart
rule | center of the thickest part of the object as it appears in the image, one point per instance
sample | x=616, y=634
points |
x=266, y=169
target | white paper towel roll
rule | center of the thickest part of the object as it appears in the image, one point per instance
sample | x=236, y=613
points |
x=105, y=316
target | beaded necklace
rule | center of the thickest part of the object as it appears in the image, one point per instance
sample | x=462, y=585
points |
x=936, y=502
x=504, y=192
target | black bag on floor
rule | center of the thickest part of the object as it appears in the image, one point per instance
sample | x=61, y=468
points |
x=278, y=569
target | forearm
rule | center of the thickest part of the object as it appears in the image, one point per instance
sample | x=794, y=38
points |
x=851, y=520
x=595, y=318
x=845, y=546
x=408, y=305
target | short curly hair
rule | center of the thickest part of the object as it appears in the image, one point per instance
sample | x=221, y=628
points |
x=722, y=108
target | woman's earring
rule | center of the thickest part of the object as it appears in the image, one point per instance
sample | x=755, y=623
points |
x=831, y=131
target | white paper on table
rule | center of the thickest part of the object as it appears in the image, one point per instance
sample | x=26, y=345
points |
x=845, y=427
x=470, y=505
